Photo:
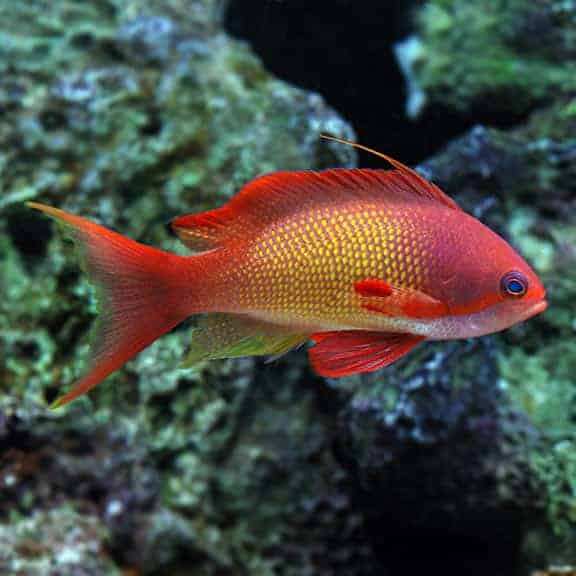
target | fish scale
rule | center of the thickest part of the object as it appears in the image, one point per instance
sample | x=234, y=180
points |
x=303, y=269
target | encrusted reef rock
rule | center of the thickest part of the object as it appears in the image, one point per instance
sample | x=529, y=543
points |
x=130, y=113
x=439, y=455
x=468, y=446
x=526, y=177
x=496, y=59
x=513, y=63
x=465, y=447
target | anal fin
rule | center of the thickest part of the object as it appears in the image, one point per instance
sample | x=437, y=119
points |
x=349, y=352
x=231, y=336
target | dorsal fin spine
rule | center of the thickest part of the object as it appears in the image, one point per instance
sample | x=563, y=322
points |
x=432, y=189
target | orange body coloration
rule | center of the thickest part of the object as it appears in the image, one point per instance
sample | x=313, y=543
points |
x=365, y=263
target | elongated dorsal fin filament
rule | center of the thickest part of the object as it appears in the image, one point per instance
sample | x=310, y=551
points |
x=431, y=189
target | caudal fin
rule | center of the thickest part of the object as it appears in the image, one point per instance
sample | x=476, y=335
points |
x=143, y=293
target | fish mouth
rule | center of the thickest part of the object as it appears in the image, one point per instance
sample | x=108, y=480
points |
x=537, y=308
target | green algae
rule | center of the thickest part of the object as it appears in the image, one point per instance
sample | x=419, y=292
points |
x=528, y=176
x=123, y=117
x=505, y=56
x=130, y=113
x=539, y=377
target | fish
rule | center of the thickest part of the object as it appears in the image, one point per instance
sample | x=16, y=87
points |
x=364, y=264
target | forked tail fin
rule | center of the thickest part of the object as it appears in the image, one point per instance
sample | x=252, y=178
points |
x=143, y=293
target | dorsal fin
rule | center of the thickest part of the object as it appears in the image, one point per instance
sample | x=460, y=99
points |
x=204, y=231
x=426, y=188
x=277, y=195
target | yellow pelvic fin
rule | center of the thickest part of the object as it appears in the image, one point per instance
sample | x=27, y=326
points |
x=231, y=336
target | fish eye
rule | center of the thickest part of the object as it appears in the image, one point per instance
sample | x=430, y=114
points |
x=514, y=284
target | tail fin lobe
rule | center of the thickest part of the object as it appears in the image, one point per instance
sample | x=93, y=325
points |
x=142, y=294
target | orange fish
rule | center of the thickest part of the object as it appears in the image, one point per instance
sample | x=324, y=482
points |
x=365, y=263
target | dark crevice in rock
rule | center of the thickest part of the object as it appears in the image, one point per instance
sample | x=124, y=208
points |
x=344, y=51
x=30, y=233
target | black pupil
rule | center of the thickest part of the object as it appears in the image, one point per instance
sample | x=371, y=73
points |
x=515, y=287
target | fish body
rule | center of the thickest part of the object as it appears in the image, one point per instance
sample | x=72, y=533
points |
x=302, y=271
x=365, y=263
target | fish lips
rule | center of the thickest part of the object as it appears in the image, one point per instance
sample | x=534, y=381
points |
x=534, y=309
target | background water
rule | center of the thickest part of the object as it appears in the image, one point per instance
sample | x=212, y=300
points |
x=457, y=460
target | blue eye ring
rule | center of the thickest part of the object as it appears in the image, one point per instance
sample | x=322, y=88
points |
x=514, y=284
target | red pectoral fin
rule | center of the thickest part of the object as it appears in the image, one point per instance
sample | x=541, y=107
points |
x=389, y=300
x=424, y=307
x=343, y=353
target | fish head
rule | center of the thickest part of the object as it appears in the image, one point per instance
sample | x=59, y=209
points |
x=493, y=288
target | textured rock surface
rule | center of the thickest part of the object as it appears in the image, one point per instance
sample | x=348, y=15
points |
x=499, y=61
x=493, y=58
x=130, y=113
x=527, y=182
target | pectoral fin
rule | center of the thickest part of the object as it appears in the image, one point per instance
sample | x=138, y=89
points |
x=343, y=353
x=383, y=298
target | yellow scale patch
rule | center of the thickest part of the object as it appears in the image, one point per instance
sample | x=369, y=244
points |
x=303, y=269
